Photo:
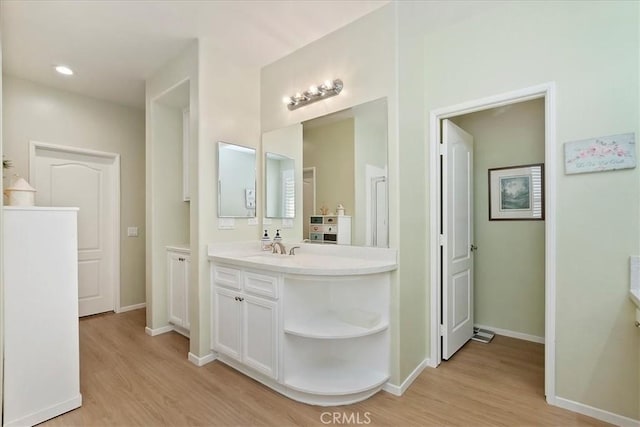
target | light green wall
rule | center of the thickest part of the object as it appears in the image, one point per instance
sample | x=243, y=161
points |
x=590, y=50
x=509, y=264
x=34, y=112
x=170, y=213
x=363, y=55
x=182, y=68
x=330, y=149
x=229, y=110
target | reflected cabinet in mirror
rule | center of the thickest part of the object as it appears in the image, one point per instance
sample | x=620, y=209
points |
x=280, y=186
x=343, y=156
x=236, y=181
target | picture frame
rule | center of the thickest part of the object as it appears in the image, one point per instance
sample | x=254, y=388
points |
x=516, y=193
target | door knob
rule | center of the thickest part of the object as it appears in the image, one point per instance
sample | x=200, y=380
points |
x=474, y=248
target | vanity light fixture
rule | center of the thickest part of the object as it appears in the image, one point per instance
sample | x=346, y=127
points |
x=315, y=93
x=63, y=69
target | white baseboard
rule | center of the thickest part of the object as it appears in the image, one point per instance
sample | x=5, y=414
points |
x=158, y=331
x=513, y=334
x=46, y=413
x=132, y=307
x=399, y=390
x=201, y=361
x=599, y=414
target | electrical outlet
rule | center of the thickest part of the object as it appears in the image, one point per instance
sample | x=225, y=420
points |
x=266, y=221
x=252, y=221
x=132, y=231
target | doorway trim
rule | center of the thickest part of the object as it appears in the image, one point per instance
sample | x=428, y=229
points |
x=35, y=145
x=548, y=92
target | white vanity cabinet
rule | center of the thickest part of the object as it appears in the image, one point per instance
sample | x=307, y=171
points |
x=245, y=317
x=313, y=326
x=178, y=266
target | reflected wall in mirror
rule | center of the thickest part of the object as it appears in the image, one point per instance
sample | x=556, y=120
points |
x=236, y=181
x=280, y=187
x=347, y=154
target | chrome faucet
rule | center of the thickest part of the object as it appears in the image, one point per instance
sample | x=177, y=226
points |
x=292, y=251
x=282, y=249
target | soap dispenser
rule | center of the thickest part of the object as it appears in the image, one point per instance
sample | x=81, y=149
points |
x=266, y=243
x=277, y=238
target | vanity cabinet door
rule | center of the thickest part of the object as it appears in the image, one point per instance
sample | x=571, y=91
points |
x=178, y=278
x=260, y=335
x=228, y=322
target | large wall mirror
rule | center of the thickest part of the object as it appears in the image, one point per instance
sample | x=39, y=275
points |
x=279, y=186
x=345, y=163
x=236, y=181
x=343, y=157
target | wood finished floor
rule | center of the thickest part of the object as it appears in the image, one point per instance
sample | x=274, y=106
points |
x=131, y=379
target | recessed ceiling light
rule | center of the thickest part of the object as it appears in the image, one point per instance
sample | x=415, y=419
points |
x=63, y=69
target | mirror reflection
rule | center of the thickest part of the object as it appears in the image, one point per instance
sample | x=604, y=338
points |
x=345, y=176
x=236, y=181
x=280, y=186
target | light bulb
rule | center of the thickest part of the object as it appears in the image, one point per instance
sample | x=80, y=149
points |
x=63, y=69
x=328, y=84
x=287, y=100
x=313, y=90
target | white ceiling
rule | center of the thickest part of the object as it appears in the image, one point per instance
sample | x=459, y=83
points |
x=113, y=46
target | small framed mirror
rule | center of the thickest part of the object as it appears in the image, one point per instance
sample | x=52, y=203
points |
x=236, y=181
x=280, y=189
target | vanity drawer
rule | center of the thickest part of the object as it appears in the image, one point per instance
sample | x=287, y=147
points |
x=315, y=236
x=323, y=228
x=330, y=220
x=261, y=284
x=227, y=276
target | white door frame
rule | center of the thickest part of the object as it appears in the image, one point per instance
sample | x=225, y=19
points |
x=35, y=145
x=548, y=92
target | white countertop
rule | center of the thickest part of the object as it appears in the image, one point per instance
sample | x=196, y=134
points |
x=310, y=259
x=180, y=247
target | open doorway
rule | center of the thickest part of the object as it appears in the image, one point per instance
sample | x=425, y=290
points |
x=449, y=316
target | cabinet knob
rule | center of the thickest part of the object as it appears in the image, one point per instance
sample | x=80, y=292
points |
x=240, y=299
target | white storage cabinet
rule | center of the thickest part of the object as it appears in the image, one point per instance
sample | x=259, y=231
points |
x=245, y=317
x=178, y=266
x=41, y=344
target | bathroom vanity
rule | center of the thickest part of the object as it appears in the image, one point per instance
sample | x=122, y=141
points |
x=313, y=326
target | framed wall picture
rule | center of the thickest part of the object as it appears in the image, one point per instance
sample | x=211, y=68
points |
x=516, y=193
x=605, y=153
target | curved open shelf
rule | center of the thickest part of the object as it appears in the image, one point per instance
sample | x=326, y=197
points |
x=329, y=325
x=335, y=377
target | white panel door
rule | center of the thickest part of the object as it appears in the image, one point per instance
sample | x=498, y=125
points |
x=68, y=179
x=177, y=276
x=259, y=335
x=457, y=193
x=228, y=322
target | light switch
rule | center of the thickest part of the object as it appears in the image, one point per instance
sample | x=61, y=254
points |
x=266, y=221
x=252, y=221
x=287, y=223
x=132, y=232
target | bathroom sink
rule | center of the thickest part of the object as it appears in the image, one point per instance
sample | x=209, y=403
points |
x=312, y=260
